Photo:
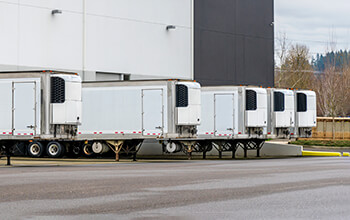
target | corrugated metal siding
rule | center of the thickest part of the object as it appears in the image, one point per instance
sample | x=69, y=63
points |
x=234, y=42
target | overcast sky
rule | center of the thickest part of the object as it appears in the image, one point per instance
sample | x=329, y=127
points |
x=313, y=22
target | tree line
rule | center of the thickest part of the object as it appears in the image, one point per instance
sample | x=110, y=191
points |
x=339, y=58
x=328, y=75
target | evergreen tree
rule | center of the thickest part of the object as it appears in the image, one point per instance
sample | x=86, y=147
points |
x=339, y=59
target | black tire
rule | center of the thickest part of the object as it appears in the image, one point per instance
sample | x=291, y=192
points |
x=87, y=150
x=35, y=149
x=55, y=149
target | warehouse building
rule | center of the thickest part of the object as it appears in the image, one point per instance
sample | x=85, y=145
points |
x=216, y=42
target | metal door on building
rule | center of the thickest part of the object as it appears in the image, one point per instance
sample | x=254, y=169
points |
x=24, y=108
x=152, y=112
x=224, y=114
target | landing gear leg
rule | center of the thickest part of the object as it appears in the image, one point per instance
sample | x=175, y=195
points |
x=189, y=150
x=234, y=146
x=8, y=156
x=188, y=147
x=115, y=146
x=259, y=146
x=204, y=146
x=117, y=150
x=255, y=144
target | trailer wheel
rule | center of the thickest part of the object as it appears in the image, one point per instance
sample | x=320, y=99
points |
x=87, y=150
x=35, y=149
x=55, y=149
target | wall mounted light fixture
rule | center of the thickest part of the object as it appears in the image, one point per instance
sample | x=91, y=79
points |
x=56, y=11
x=169, y=27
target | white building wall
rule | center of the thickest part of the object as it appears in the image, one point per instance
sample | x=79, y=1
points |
x=116, y=36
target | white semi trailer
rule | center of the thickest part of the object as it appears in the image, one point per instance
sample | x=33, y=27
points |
x=233, y=116
x=281, y=109
x=39, y=111
x=305, y=115
x=119, y=115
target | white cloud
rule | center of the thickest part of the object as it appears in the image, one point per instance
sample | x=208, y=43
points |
x=312, y=22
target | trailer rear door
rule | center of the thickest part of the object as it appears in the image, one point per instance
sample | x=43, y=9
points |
x=152, y=112
x=224, y=114
x=24, y=111
x=5, y=107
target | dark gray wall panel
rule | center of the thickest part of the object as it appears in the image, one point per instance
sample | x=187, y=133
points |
x=234, y=42
x=254, y=18
x=240, y=61
x=214, y=45
x=216, y=15
x=257, y=55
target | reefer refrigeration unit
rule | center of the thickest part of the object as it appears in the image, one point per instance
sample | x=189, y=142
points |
x=39, y=111
x=305, y=115
x=281, y=113
x=124, y=113
x=256, y=112
x=233, y=116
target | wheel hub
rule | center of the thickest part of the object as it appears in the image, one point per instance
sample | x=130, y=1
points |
x=35, y=149
x=53, y=149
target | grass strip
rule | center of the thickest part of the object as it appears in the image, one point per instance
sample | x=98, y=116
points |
x=328, y=143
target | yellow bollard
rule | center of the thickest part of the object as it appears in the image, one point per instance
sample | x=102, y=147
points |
x=320, y=154
x=346, y=154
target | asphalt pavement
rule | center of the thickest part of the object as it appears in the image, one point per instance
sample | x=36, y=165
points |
x=290, y=188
